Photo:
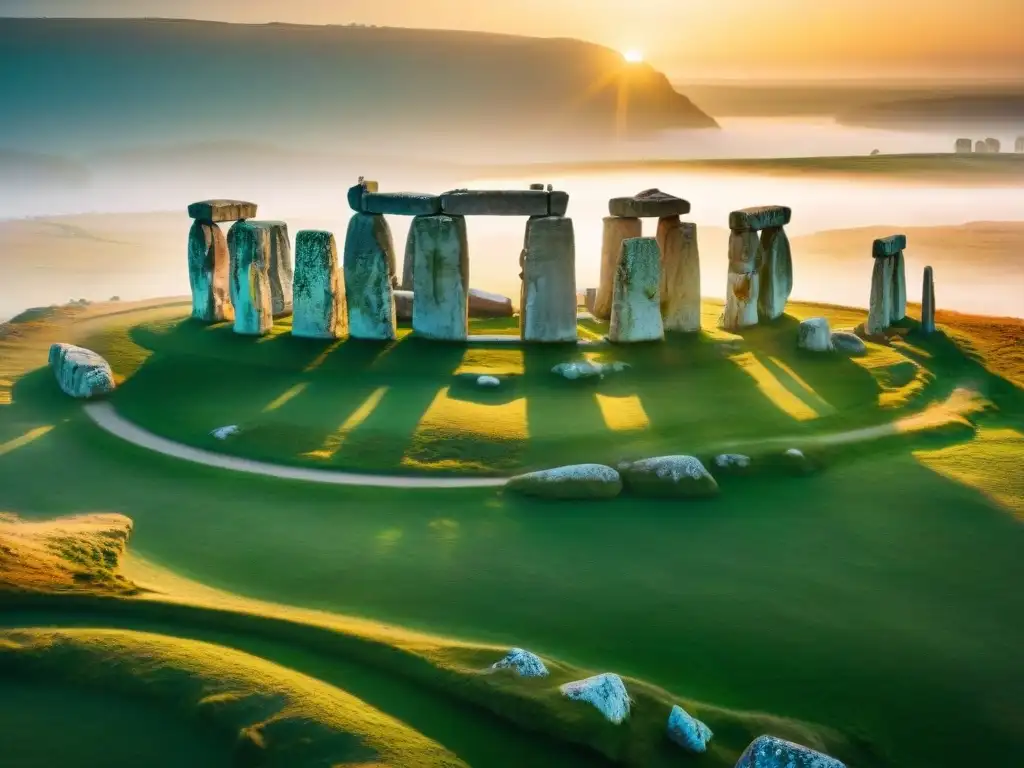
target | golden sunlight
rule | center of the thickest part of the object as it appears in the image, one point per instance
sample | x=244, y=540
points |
x=633, y=56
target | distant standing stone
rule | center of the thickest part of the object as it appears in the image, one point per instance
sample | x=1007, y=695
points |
x=775, y=276
x=590, y=298
x=487, y=304
x=980, y=147
x=687, y=731
x=1018, y=146
x=772, y=752
x=548, y=311
x=928, y=302
x=403, y=305
x=680, y=275
x=994, y=146
x=211, y=211
x=636, y=302
x=963, y=146
x=279, y=268
x=209, y=273
x=80, y=372
x=440, y=307
x=815, y=335
x=880, y=308
x=320, y=309
x=742, y=281
x=616, y=230
x=369, y=269
x=251, y=284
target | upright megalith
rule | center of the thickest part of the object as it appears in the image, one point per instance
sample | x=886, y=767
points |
x=1018, y=146
x=741, y=289
x=548, y=308
x=888, y=284
x=775, y=275
x=928, y=302
x=369, y=267
x=617, y=229
x=994, y=146
x=250, y=281
x=318, y=292
x=680, y=275
x=760, y=274
x=440, y=254
x=964, y=146
x=980, y=147
x=209, y=273
x=636, y=301
x=279, y=266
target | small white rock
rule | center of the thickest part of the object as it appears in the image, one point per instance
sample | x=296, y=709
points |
x=488, y=381
x=523, y=663
x=687, y=731
x=732, y=460
x=585, y=369
x=607, y=692
x=795, y=453
x=223, y=433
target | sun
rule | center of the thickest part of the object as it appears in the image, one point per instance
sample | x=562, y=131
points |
x=633, y=56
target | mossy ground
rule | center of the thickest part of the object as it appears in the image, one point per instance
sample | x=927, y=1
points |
x=859, y=607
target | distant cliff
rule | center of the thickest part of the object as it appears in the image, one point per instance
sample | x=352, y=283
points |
x=84, y=85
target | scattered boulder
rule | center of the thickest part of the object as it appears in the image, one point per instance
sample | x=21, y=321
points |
x=488, y=381
x=586, y=369
x=732, y=463
x=223, y=433
x=815, y=335
x=669, y=476
x=607, y=692
x=523, y=663
x=772, y=752
x=80, y=372
x=848, y=342
x=485, y=304
x=687, y=731
x=578, y=481
x=798, y=462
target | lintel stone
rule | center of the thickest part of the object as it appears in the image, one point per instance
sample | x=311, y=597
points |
x=402, y=203
x=649, y=204
x=761, y=217
x=558, y=203
x=355, y=193
x=888, y=246
x=222, y=210
x=495, y=202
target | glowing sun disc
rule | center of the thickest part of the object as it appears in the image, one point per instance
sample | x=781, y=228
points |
x=633, y=56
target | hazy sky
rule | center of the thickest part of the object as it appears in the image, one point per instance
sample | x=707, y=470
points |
x=688, y=39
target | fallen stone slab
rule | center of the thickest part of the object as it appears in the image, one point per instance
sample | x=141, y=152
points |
x=814, y=335
x=80, y=372
x=888, y=246
x=369, y=270
x=279, y=266
x=773, y=752
x=319, y=308
x=548, y=308
x=680, y=275
x=440, y=308
x=606, y=692
x=402, y=203
x=848, y=342
x=495, y=202
x=649, y=204
x=616, y=230
x=403, y=305
x=760, y=217
x=687, y=731
x=577, y=481
x=523, y=663
x=209, y=273
x=212, y=211
x=636, y=301
x=668, y=476
x=356, y=192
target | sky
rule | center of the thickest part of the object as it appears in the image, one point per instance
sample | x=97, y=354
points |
x=687, y=39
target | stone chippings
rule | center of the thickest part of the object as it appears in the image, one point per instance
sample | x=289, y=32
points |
x=606, y=692
x=523, y=663
x=401, y=203
x=888, y=246
x=636, y=300
x=319, y=306
x=209, y=273
x=815, y=335
x=687, y=731
x=212, y=211
x=773, y=752
x=80, y=372
x=761, y=217
x=669, y=476
x=577, y=481
x=651, y=203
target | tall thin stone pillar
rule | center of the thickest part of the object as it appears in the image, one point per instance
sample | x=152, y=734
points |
x=636, y=305
x=742, y=283
x=899, y=287
x=616, y=229
x=369, y=266
x=885, y=284
x=928, y=302
x=440, y=253
x=318, y=290
x=680, y=275
x=548, y=309
x=251, y=284
x=775, y=274
x=279, y=266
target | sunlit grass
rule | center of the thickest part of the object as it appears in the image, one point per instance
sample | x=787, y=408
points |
x=23, y=440
x=494, y=362
x=773, y=389
x=335, y=440
x=622, y=414
x=286, y=396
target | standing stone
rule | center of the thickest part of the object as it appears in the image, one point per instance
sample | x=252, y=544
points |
x=233, y=240
x=253, y=315
x=616, y=230
x=880, y=309
x=1018, y=145
x=980, y=147
x=440, y=308
x=963, y=146
x=636, y=302
x=408, y=262
x=741, y=290
x=369, y=267
x=775, y=274
x=928, y=302
x=209, y=273
x=680, y=275
x=548, y=309
x=279, y=266
x=590, y=298
x=994, y=146
x=318, y=291
x=899, y=287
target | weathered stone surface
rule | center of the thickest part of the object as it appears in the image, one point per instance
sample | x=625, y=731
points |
x=994, y=145
x=636, y=301
x=587, y=369
x=579, y=481
x=485, y=304
x=440, y=307
x=232, y=239
x=222, y=210
x=496, y=202
x=558, y=202
x=888, y=246
x=899, y=288
x=80, y=372
x=775, y=276
x=849, y=343
x=536, y=185
x=963, y=146
x=668, y=476
x=1018, y=145
x=732, y=463
x=402, y=203
x=320, y=310
x=680, y=275
x=548, y=310
x=928, y=302
x=760, y=217
x=251, y=283
x=814, y=335
x=687, y=731
x=880, y=307
x=980, y=147
x=356, y=192
x=223, y=433
x=743, y=281
x=403, y=305
x=209, y=273
x=649, y=204
x=369, y=269
x=773, y=752
x=523, y=663
x=590, y=299
x=279, y=266
x=606, y=692
x=616, y=230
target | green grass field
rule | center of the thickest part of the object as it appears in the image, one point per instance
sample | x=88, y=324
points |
x=858, y=609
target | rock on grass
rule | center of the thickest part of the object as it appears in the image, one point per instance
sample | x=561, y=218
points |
x=669, y=476
x=607, y=692
x=577, y=481
x=772, y=752
x=849, y=343
x=80, y=372
x=687, y=731
x=523, y=663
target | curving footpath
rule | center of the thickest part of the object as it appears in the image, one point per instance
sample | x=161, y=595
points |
x=105, y=417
